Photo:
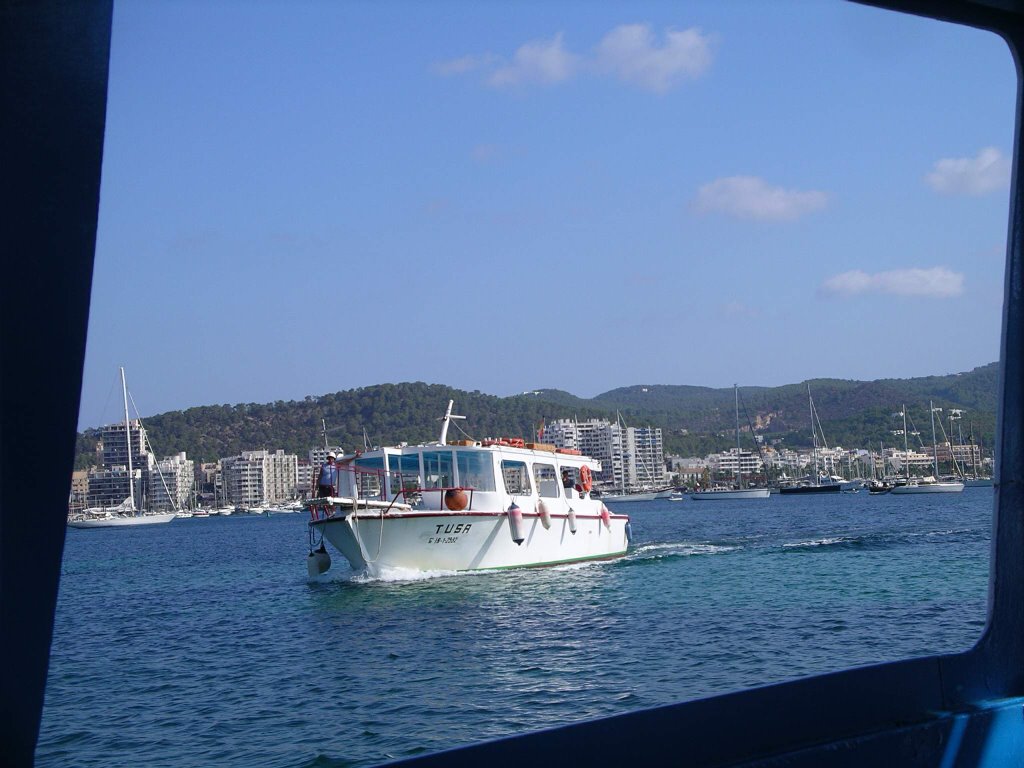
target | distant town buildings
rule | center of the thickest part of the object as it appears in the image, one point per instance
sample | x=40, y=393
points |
x=255, y=478
x=631, y=457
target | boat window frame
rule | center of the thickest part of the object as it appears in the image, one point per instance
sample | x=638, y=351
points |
x=63, y=186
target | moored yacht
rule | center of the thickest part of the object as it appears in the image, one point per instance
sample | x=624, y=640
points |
x=465, y=505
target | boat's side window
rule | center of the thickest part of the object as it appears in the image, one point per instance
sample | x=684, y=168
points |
x=476, y=470
x=546, y=479
x=437, y=469
x=517, y=478
x=569, y=477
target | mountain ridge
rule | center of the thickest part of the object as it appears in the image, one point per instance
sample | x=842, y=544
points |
x=695, y=420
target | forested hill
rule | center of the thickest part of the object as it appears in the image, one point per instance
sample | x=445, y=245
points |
x=695, y=420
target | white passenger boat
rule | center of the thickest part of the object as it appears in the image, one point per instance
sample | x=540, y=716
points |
x=464, y=506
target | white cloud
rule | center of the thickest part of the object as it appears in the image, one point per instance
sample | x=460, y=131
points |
x=936, y=283
x=630, y=52
x=541, y=61
x=462, y=65
x=987, y=172
x=749, y=197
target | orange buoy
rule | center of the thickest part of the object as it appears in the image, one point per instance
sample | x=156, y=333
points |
x=515, y=523
x=456, y=499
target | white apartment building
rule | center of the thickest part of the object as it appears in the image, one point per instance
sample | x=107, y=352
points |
x=171, y=482
x=731, y=461
x=109, y=485
x=630, y=457
x=254, y=478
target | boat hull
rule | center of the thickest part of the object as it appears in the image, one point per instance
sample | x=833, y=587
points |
x=731, y=494
x=122, y=520
x=831, y=488
x=468, y=541
x=629, y=497
x=900, y=490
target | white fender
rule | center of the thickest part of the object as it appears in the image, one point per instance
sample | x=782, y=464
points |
x=515, y=523
x=572, y=521
x=606, y=516
x=545, y=516
x=318, y=562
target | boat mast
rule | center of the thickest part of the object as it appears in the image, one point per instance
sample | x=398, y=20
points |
x=448, y=416
x=906, y=443
x=935, y=444
x=739, y=474
x=128, y=441
x=814, y=436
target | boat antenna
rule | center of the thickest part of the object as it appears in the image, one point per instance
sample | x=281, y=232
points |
x=446, y=422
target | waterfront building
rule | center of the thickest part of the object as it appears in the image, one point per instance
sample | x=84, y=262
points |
x=171, y=483
x=732, y=461
x=688, y=471
x=255, y=478
x=631, y=457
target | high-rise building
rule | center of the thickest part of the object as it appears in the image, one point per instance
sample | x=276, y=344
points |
x=631, y=457
x=171, y=482
x=254, y=478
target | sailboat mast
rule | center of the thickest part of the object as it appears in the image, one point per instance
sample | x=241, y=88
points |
x=906, y=443
x=128, y=440
x=935, y=444
x=739, y=474
x=814, y=436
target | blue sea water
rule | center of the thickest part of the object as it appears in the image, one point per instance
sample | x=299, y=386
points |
x=203, y=642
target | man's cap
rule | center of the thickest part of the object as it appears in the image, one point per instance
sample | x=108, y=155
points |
x=331, y=455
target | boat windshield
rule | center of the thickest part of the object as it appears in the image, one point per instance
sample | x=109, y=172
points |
x=437, y=469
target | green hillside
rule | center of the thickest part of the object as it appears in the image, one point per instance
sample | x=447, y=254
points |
x=695, y=420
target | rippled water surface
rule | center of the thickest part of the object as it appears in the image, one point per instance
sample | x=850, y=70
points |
x=202, y=642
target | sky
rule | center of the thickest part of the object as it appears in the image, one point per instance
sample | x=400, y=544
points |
x=303, y=198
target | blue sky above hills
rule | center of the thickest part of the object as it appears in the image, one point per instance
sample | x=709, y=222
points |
x=303, y=198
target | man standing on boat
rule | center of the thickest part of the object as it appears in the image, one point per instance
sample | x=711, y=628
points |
x=328, y=480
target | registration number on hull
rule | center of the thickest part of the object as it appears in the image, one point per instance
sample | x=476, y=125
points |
x=447, y=533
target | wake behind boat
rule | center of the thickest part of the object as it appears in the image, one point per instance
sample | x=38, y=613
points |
x=465, y=505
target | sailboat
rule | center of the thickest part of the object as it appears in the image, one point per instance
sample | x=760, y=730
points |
x=924, y=484
x=817, y=485
x=737, y=492
x=127, y=512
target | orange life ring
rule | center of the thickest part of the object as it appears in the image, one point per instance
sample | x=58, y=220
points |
x=585, y=478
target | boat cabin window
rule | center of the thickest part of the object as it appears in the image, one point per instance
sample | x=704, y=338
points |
x=369, y=473
x=405, y=471
x=476, y=470
x=547, y=480
x=437, y=469
x=517, y=478
x=570, y=476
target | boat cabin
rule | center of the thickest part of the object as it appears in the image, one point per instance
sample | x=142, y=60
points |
x=491, y=473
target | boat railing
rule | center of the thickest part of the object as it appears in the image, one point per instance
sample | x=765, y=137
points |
x=376, y=484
